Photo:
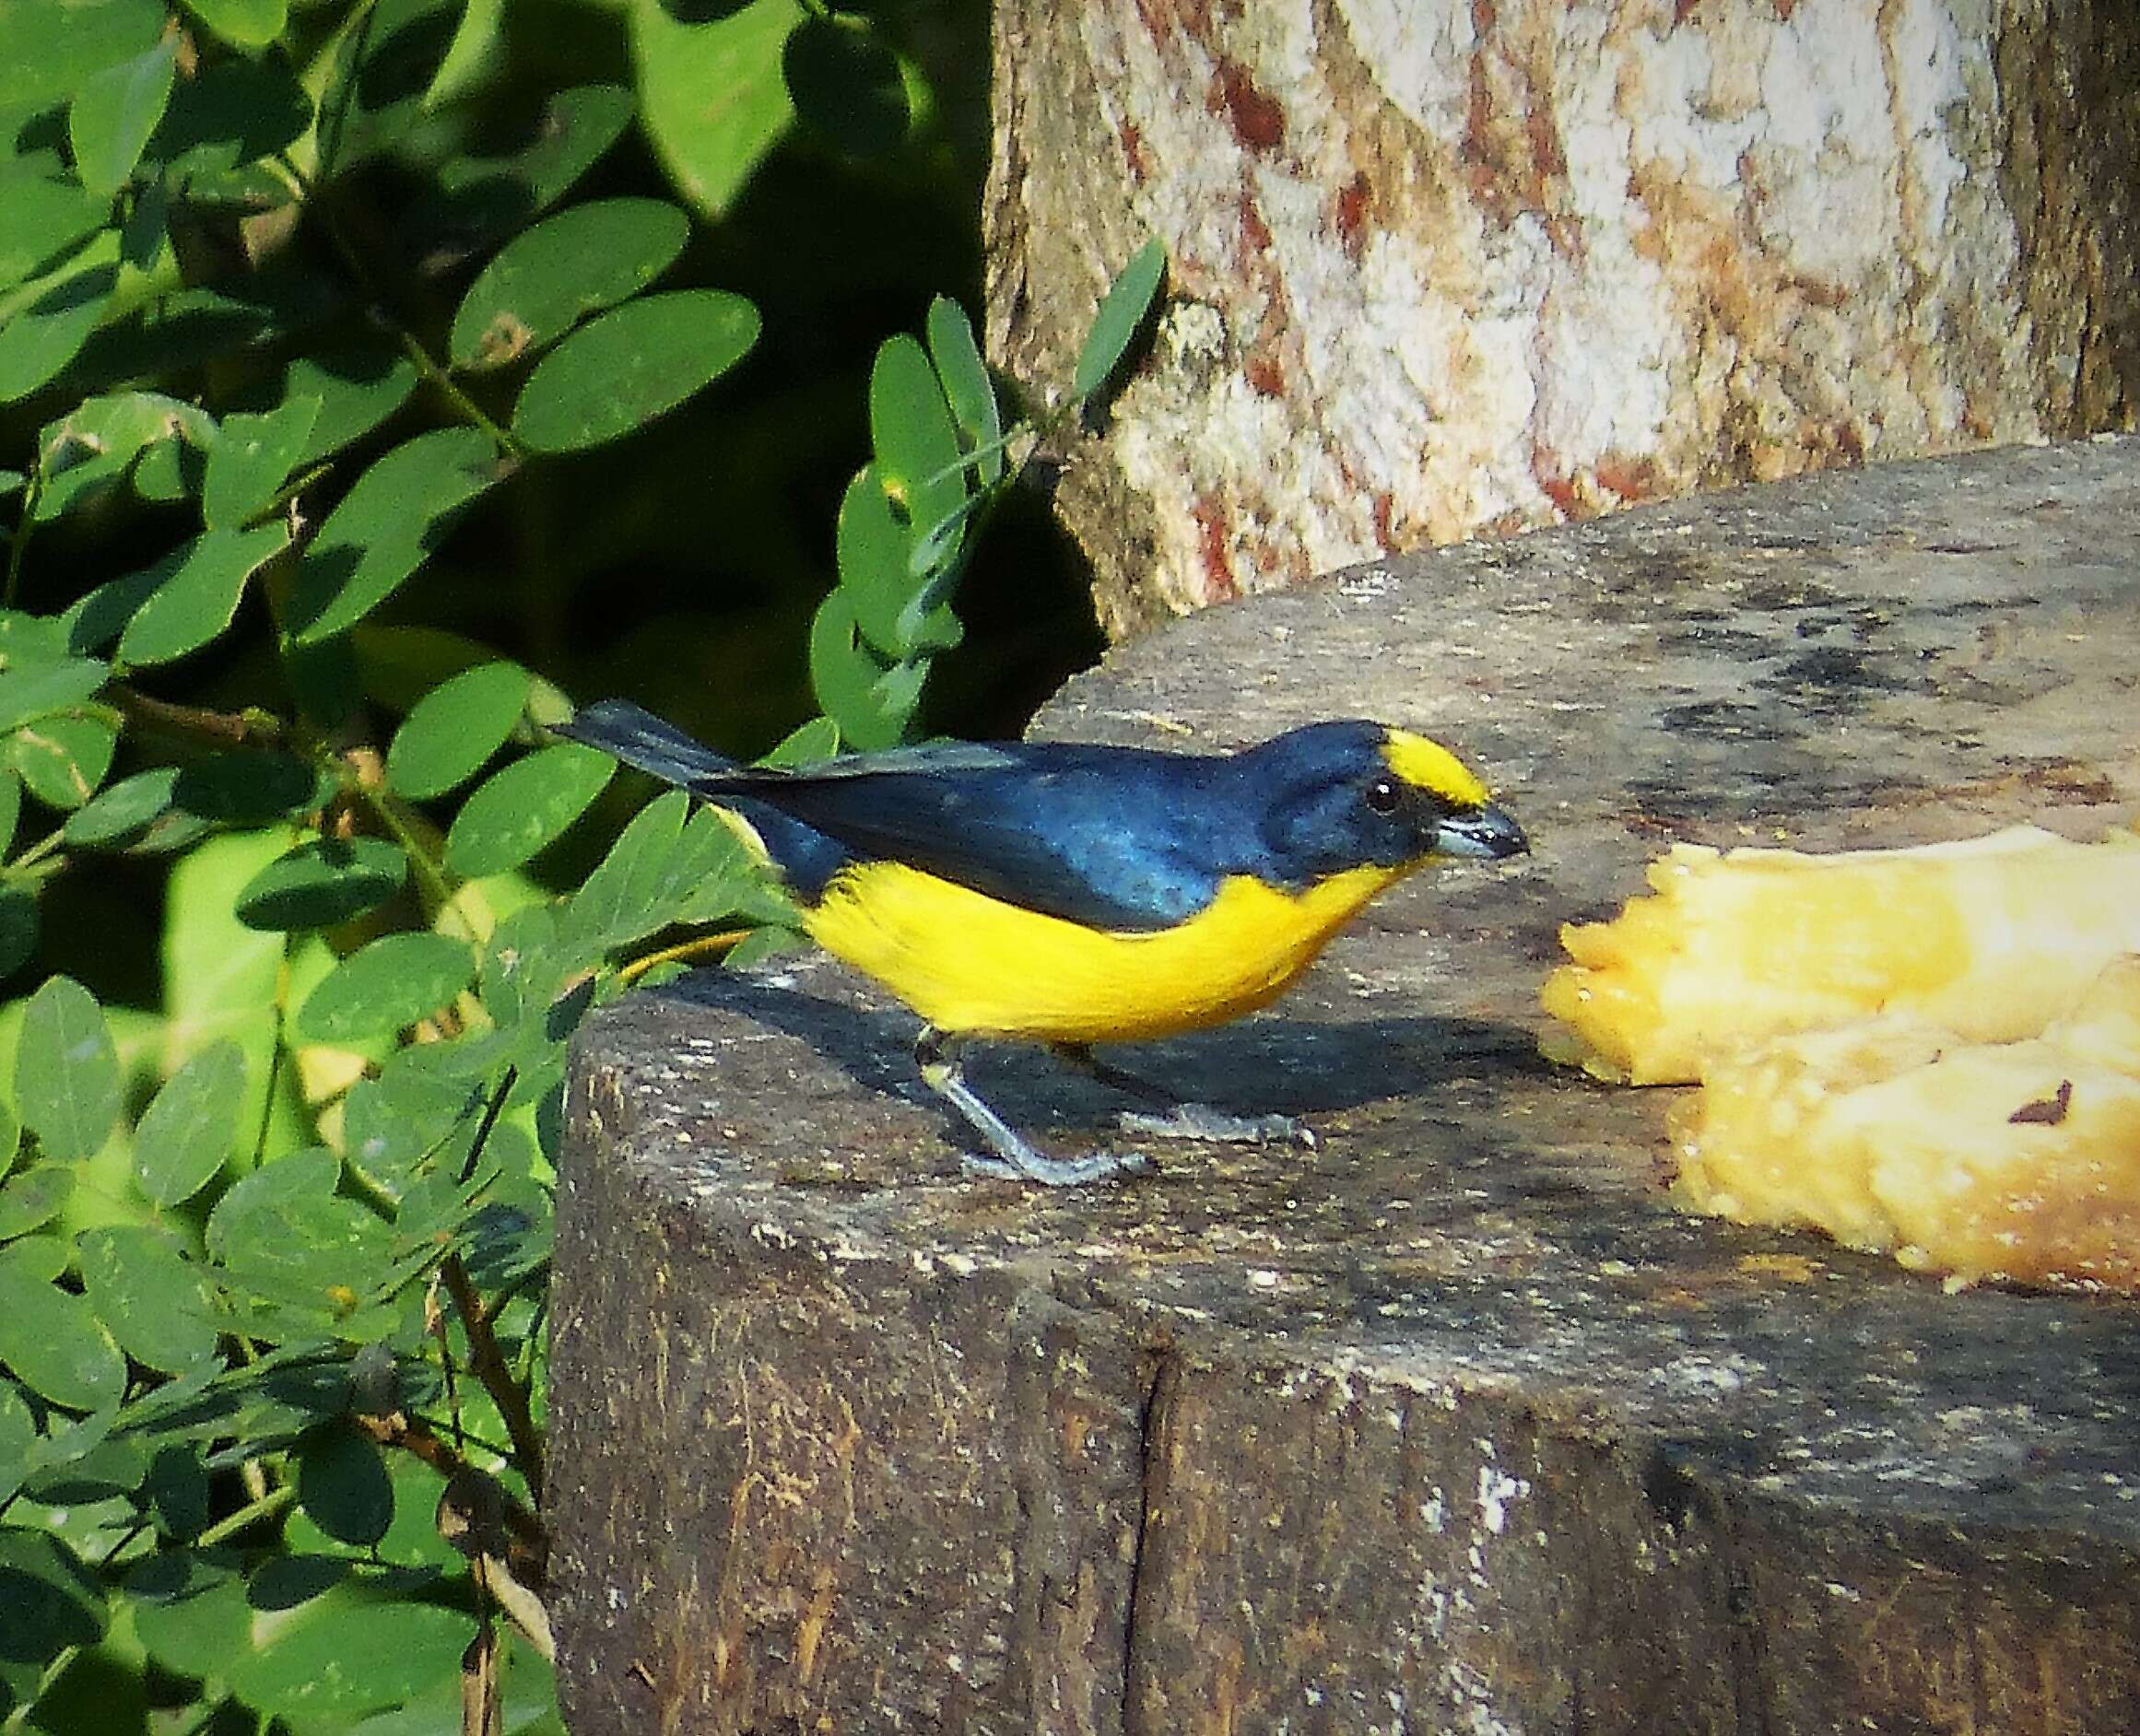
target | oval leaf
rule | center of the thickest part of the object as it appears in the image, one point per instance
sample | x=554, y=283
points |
x=910, y=424
x=1121, y=311
x=61, y=760
x=198, y=595
x=517, y=810
x=385, y=527
x=189, y=1129
x=128, y=808
x=454, y=728
x=967, y=387
x=252, y=455
x=379, y=988
x=66, y=1071
x=343, y=1485
x=36, y=1196
x=613, y=376
x=54, y=1344
x=343, y=1653
x=711, y=147
x=321, y=883
x=114, y=112
x=549, y=278
x=156, y=1302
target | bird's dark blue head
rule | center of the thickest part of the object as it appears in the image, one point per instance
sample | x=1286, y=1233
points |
x=1354, y=794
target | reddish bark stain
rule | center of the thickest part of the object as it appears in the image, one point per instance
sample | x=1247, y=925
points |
x=1259, y=122
x=1133, y=153
x=1784, y=8
x=1682, y=10
x=1218, y=576
x=1630, y=478
x=1482, y=17
x=1546, y=157
x=1352, y=209
x=1561, y=491
x=1385, y=514
x=1255, y=234
x=1267, y=374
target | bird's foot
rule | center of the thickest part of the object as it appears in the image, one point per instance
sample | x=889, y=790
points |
x=1200, y=1120
x=1061, y=1172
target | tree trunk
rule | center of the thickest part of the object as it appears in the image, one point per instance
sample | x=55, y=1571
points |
x=1460, y=266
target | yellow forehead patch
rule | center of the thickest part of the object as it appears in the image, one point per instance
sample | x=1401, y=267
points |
x=1432, y=767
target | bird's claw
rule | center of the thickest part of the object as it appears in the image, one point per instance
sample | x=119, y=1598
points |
x=1061, y=1172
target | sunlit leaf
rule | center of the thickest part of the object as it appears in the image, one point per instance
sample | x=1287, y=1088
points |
x=252, y=457
x=513, y=812
x=242, y=23
x=41, y=337
x=385, y=527
x=198, y=595
x=1121, y=311
x=618, y=372
x=546, y=280
x=52, y=1342
x=115, y=111
x=188, y=1131
x=156, y=1302
x=453, y=729
x=967, y=387
x=390, y=983
x=66, y=1071
x=709, y=147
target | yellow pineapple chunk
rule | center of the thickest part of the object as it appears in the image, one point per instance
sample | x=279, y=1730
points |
x=1988, y=939
x=2017, y=1160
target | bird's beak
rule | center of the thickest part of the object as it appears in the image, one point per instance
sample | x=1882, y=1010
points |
x=1487, y=832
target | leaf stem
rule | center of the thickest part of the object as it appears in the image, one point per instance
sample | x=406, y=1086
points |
x=252, y=1513
x=507, y=441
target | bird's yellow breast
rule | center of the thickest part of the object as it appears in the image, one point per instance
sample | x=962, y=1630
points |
x=970, y=963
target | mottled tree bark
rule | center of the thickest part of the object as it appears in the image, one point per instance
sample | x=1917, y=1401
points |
x=1446, y=267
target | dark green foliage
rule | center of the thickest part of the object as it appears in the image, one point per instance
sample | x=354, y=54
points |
x=351, y=356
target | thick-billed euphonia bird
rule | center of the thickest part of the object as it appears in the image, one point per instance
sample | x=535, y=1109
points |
x=1065, y=895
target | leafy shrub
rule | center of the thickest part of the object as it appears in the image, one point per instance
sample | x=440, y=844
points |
x=280, y=306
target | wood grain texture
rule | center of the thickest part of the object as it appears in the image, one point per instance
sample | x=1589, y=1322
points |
x=1470, y=265
x=1446, y=1423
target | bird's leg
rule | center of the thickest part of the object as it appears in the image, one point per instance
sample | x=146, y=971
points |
x=937, y=1056
x=1169, y=1118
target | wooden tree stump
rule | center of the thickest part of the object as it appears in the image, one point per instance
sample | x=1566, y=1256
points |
x=1454, y=266
x=1446, y=1423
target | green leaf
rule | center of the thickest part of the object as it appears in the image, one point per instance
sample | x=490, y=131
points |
x=846, y=85
x=347, y=1652
x=189, y=1129
x=359, y=386
x=229, y=114
x=390, y=983
x=61, y=760
x=484, y=196
x=54, y=1346
x=918, y=452
x=19, y=926
x=874, y=550
x=197, y=596
x=56, y=46
x=10, y=808
x=547, y=280
x=298, y=1175
x=10, y=1135
x=618, y=373
x=453, y=729
x=252, y=457
x=393, y=1124
x=189, y=1608
x=710, y=145
x=115, y=111
x=33, y=1198
x=220, y=977
x=42, y=214
x=52, y=1601
x=852, y=684
x=41, y=337
x=88, y=451
x=17, y=1432
x=42, y=689
x=967, y=387
x=249, y=788
x=66, y=1071
x=515, y=812
x=343, y=1485
x=323, y=883
x=156, y=1302
x=242, y=23
x=121, y=813
x=386, y=526
x=1121, y=311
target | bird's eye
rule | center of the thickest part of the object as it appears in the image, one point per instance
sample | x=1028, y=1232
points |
x=1383, y=796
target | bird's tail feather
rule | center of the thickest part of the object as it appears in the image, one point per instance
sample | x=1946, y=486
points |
x=638, y=737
